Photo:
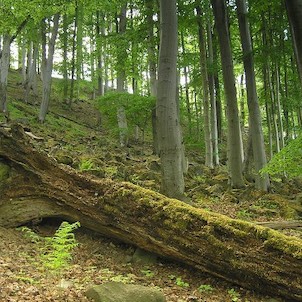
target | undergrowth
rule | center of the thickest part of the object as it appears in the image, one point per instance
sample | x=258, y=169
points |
x=55, y=253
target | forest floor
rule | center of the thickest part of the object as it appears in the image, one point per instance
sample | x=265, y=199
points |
x=73, y=136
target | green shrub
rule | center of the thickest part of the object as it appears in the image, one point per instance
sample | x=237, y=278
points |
x=205, y=288
x=138, y=108
x=86, y=165
x=288, y=161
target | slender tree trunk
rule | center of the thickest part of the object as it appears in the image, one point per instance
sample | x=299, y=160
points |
x=100, y=31
x=4, y=67
x=24, y=51
x=79, y=48
x=294, y=12
x=187, y=97
x=205, y=89
x=217, y=89
x=31, y=72
x=279, y=109
x=65, y=57
x=170, y=141
x=152, y=69
x=121, y=77
x=47, y=65
x=234, y=133
x=73, y=58
x=242, y=102
x=197, y=113
x=214, y=118
x=255, y=125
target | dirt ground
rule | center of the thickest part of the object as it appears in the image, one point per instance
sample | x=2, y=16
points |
x=97, y=260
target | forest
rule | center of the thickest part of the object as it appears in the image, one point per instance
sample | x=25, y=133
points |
x=150, y=150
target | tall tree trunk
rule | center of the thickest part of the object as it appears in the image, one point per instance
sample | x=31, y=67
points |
x=4, y=67
x=217, y=89
x=170, y=141
x=31, y=72
x=214, y=113
x=47, y=65
x=24, y=50
x=73, y=56
x=205, y=89
x=279, y=109
x=100, y=31
x=121, y=76
x=255, y=125
x=79, y=47
x=65, y=57
x=185, y=73
x=152, y=69
x=294, y=12
x=234, y=133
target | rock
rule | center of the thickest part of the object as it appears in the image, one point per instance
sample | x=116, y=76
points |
x=120, y=292
x=143, y=257
x=64, y=284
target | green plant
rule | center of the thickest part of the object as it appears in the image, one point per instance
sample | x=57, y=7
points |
x=137, y=108
x=148, y=273
x=110, y=171
x=205, y=288
x=234, y=295
x=30, y=234
x=244, y=214
x=57, y=252
x=85, y=165
x=123, y=279
x=181, y=283
x=288, y=161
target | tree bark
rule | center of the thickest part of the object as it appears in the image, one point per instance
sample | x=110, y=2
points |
x=47, y=64
x=294, y=12
x=31, y=78
x=255, y=125
x=121, y=76
x=149, y=5
x=205, y=89
x=251, y=256
x=214, y=111
x=235, y=157
x=169, y=129
x=4, y=66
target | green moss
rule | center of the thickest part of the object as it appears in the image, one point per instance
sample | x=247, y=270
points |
x=283, y=243
x=4, y=171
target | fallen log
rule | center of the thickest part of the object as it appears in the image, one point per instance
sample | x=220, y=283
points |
x=279, y=225
x=34, y=186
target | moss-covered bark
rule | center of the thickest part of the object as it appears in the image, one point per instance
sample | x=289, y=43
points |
x=251, y=256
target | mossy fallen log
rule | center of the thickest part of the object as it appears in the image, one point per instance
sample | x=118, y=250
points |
x=34, y=186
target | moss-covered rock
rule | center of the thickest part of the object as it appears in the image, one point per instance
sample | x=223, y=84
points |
x=120, y=292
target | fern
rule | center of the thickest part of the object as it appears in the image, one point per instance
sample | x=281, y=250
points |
x=58, y=249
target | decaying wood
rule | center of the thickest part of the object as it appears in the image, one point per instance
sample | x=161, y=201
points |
x=33, y=186
x=279, y=225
